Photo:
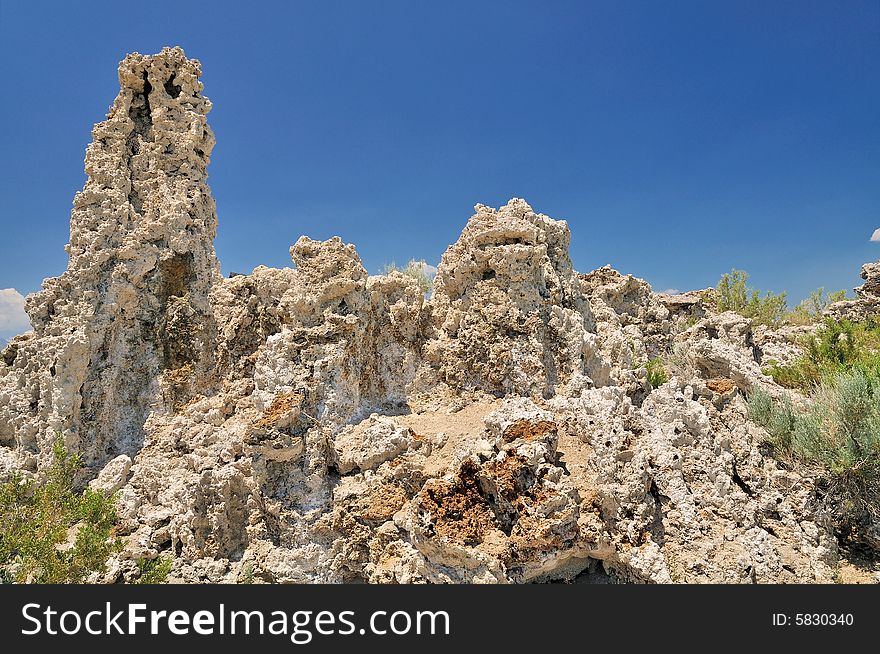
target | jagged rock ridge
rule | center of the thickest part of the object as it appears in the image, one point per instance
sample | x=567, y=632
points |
x=320, y=424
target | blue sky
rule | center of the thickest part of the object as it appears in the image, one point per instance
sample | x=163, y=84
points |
x=679, y=139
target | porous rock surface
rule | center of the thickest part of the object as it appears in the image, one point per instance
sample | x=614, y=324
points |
x=867, y=300
x=318, y=424
x=129, y=325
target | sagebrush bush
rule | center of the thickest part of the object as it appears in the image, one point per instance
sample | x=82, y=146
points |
x=839, y=434
x=415, y=269
x=39, y=521
x=760, y=406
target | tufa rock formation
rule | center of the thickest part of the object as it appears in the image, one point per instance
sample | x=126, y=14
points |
x=318, y=424
x=508, y=311
x=867, y=300
x=128, y=328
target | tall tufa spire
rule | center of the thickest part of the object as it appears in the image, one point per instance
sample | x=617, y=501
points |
x=128, y=326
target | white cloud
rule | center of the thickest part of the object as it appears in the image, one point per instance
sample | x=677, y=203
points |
x=876, y=235
x=671, y=291
x=13, y=319
x=429, y=269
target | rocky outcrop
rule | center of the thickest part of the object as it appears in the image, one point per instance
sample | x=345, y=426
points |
x=128, y=328
x=867, y=302
x=318, y=424
x=634, y=325
x=508, y=312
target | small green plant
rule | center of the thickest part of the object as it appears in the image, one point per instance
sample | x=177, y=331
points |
x=734, y=294
x=839, y=435
x=787, y=376
x=154, y=571
x=417, y=269
x=51, y=534
x=247, y=574
x=777, y=418
x=836, y=347
x=810, y=310
x=657, y=375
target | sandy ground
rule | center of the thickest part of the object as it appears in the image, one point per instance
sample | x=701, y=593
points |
x=858, y=572
x=459, y=428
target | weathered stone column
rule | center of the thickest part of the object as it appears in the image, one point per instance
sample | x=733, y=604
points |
x=128, y=325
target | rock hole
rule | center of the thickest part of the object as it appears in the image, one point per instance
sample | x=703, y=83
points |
x=559, y=463
x=595, y=572
x=739, y=482
x=10, y=353
x=140, y=111
x=7, y=434
x=175, y=275
x=171, y=88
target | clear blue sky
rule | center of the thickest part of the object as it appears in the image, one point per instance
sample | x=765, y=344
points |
x=679, y=139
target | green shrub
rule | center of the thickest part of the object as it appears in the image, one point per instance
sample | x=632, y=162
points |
x=790, y=376
x=838, y=346
x=36, y=521
x=154, y=571
x=810, y=310
x=760, y=406
x=415, y=269
x=840, y=436
x=246, y=576
x=777, y=418
x=657, y=375
x=840, y=430
x=734, y=294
